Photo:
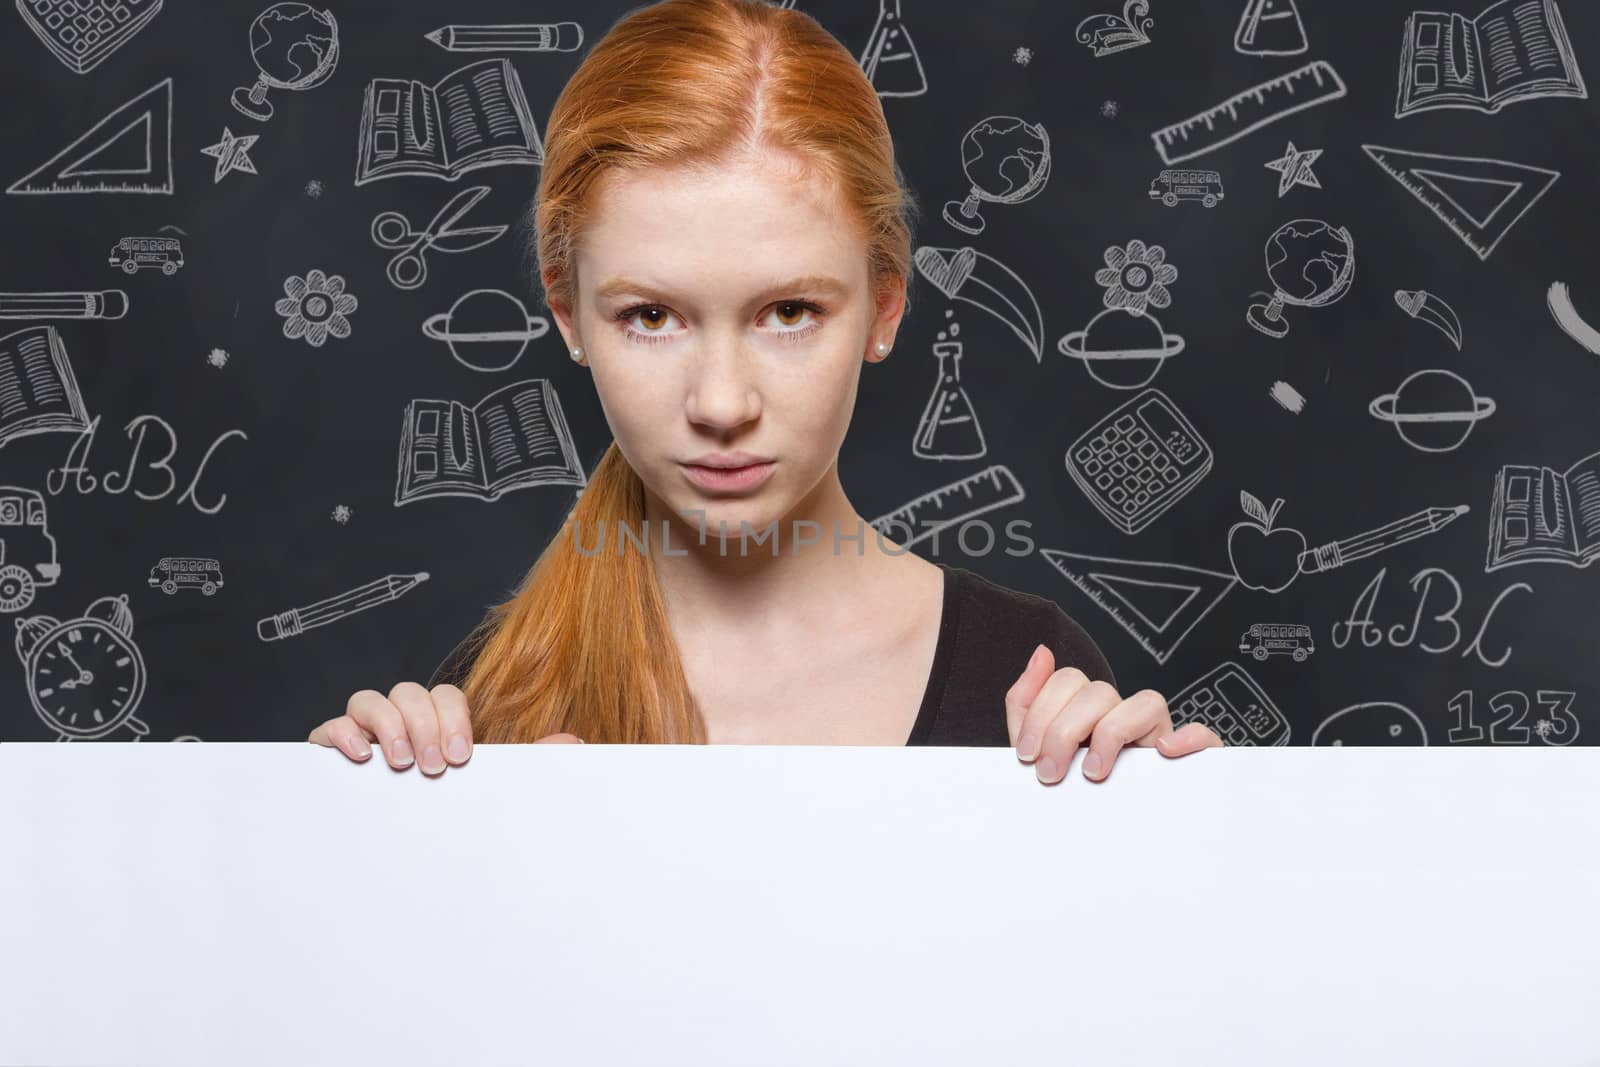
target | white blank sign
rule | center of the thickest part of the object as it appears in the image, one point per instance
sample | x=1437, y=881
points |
x=227, y=903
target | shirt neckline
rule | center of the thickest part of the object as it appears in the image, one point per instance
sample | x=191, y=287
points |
x=933, y=692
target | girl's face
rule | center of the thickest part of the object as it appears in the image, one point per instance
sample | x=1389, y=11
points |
x=728, y=310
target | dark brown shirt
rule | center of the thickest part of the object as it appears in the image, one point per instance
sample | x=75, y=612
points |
x=986, y=634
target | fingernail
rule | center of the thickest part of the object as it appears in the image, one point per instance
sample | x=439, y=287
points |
x=1037, y=652
x=458, y=748
x=1027, y=747
x=432, y=760
x=581, y=741
x=1047, y=770
x=359, y=748
x=1091, y=765
x=401, y=752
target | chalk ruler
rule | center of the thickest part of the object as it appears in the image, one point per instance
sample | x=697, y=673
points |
x=993, y=487
x=1307, y=86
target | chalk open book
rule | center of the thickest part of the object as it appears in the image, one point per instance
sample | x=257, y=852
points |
x=1514, y=50
x=476, y=116
x=514, y=438
x=1542, y=516
x=38, y=392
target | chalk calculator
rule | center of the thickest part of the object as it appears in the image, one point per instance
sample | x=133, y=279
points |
x=1139, y=460
x=83, y=32
x=1229, y=701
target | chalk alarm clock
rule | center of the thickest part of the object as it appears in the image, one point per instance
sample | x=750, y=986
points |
x=85, y=675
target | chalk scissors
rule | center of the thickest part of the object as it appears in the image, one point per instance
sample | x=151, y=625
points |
x=408, y=269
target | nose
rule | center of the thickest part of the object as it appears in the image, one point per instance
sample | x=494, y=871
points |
x=722, y=391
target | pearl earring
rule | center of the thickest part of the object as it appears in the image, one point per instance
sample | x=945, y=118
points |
x=882, y=348
x=577, y=354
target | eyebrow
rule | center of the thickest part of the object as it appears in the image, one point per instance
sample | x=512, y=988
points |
x=821, y=283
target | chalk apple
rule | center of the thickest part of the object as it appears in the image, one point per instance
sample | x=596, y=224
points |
x=1264, y=557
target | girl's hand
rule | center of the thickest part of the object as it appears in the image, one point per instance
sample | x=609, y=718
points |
x=429, y=727
x=1049, y=714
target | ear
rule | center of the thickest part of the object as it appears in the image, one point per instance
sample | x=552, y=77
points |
x=891, y=308
x=560, y=312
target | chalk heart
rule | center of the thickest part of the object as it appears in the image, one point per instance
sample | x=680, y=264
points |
x=949, y=274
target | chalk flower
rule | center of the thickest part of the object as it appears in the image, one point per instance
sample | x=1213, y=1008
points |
x=1136, y=277
x=316, y=307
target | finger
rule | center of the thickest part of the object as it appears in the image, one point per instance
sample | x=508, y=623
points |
x=455, y=722
x=560, y=739
x=342, y=733
x=1191, y=737
x=1040, y=666
x=372, y=711
x=1138, y=716
x=1074, y=722
x=422, y=724
x=348, y=736
x=1059, y=688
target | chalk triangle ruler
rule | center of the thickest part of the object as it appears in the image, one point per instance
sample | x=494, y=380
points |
x=1479, y=199
x=127, y=151
x=1158, y=603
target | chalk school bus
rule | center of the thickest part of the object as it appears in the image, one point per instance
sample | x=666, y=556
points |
x=186, y=572
x=1265, y=639
x=27, y=551
x=131, y=253
x=1173, y=185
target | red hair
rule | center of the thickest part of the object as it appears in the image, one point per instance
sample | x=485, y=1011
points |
x=583, y=645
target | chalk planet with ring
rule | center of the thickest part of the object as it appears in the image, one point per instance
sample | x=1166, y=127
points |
x=1131, y=339
x=484, y=320
x=1432, y=410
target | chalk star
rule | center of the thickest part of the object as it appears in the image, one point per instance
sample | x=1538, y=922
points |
x=231, y=153
x=1294, y=168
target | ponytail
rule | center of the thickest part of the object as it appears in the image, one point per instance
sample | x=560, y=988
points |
x=583, y=646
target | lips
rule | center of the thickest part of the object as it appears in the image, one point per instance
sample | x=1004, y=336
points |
x=728, y=478
x=728, y=460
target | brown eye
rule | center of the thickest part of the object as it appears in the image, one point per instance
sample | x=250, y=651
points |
x=790, y=309
x=647, y=314
x=786, y=310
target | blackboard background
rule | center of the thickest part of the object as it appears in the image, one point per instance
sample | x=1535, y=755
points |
x=323, y=423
